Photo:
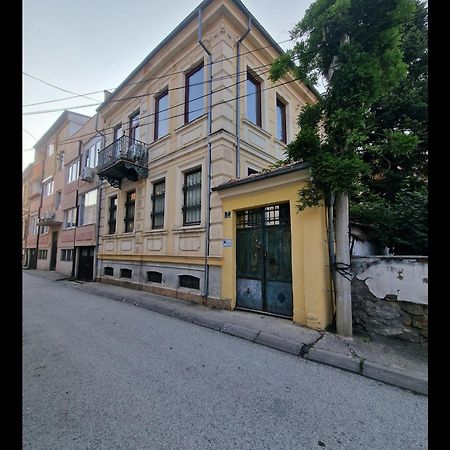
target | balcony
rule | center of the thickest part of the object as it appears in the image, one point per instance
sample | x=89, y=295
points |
x=124, y=158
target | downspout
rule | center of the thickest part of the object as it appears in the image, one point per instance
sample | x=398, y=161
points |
x=331, y=251
x=208, y=158
x=99, y=199
x=40, y=206
x=238, y=101
x=80, y=144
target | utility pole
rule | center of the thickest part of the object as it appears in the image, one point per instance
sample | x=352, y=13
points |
x=343, y=284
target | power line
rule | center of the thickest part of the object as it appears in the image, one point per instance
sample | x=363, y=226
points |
x=59, y=109
x=142, y=81
x=29, y=134
x=68, y=141
x=167, y=109
x=57, y=87
x=145, y=95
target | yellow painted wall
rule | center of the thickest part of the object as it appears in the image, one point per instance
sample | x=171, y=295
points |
x=312, y=304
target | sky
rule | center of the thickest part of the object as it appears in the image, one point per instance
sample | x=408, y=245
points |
x=85, y=46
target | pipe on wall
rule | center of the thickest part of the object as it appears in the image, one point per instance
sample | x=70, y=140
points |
x=208, y=158
x=238, y=101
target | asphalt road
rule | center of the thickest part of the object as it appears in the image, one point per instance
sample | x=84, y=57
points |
x=100, y=374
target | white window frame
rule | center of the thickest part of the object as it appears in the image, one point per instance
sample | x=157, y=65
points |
x=50, y=149
x=73, y=170
x=91, y=196
x=72, y=215
x=48, y=187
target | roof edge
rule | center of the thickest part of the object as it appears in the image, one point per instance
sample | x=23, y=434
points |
x=262, y=176
x=179, y=28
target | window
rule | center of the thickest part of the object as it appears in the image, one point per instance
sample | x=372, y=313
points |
x=33, y=225
x=70, y=218
x=118, y=133
x=189, y=281
x=88, y=203
x=57, y=199
x=60, y=160
x=154, y=277
x=161, y=115
x=45, y=230
x=108, y=271
x=194, y=95
x=134, y=127
x=50, y=149
x=42, y=254
x=112, y=214
x=48, y=188
x=281, y=121
x=251, y=171
x=129, y=211
x=67, y=254
x=125, y=273
x=72, y=171
x=192, y=197
x=158, y=197
x=253, y=100
x=91, y=155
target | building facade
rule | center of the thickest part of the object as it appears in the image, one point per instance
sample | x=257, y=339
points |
x=198, y=114
x=47, y=179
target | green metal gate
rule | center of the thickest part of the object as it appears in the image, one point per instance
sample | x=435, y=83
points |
x=263, y=260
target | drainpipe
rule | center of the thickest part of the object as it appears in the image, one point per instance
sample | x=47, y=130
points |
x=99, y=199
x=331, y=239
x=80, y=144
x=208, y=163
x=40, y=206
x=238, y=101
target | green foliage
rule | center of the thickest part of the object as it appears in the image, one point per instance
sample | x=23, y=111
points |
x=367, y=133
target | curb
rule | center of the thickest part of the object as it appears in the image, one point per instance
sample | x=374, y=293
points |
x=393, y=376
x=345, y=362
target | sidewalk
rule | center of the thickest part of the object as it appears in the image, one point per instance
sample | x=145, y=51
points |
x=388, y=360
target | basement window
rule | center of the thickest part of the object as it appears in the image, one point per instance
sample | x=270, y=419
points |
x=125, y=273
x=189, y=281
x=108, y=271
x=154, y=277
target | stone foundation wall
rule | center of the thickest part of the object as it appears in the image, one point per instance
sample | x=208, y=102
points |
x=389, y=313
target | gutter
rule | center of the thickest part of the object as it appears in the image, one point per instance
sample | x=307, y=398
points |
x=208, y=158
x=99, y=199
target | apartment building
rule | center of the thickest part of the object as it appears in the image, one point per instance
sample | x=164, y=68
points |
x=78, y=203
x=46, y=180
x=196, y=117
x=26, y=192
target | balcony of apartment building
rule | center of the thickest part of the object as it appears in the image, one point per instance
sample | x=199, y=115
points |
x=124, y=158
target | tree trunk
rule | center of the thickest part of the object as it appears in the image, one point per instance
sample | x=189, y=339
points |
x=343, y=284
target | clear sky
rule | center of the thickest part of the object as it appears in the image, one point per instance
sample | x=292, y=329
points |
x=84, y=46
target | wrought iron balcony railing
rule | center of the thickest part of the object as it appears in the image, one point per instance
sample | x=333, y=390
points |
x=126, y=149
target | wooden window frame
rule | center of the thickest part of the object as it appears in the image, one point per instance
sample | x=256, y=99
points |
x=157, y=100
x=158, y=196
x=256, y=83
x=283, y=108
x=186, y=91
x=130, y=206
x=186, y=188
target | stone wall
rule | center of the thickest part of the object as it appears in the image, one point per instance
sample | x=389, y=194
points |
x=390, y=297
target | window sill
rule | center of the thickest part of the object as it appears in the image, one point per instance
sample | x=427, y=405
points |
x=156, y=232
x=189, y=229
x=192, y=122
x=282, y=143
x=257, y=128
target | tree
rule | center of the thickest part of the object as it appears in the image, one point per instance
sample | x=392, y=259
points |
x=355, y=45
x=394, y=201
